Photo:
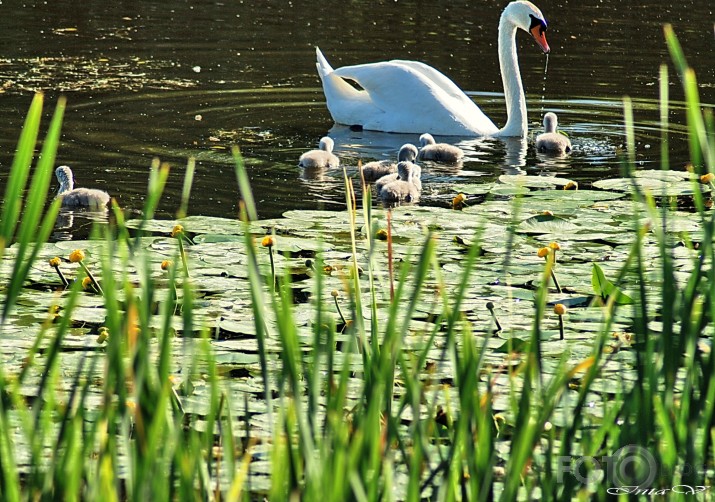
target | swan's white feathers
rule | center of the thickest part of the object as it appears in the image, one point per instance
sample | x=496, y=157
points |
x=420, y=88
x=409, y=96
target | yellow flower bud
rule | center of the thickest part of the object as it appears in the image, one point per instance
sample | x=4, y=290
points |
x=707, y=178
x=55, y=262
x=559, y=309
x=76, y=256
x=86, y=283
x=335, y=293
x=268, y=241
x=555, y=246
x=458, y=201
x=381, y=234
x=543, y=252
x=571, y=185
x=103, y=336
x=166, y=264
x=177, y=231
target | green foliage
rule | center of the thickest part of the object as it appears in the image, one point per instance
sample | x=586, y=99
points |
x=365, y=406
x=606, y=290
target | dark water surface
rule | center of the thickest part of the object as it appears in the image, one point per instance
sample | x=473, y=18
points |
x=175, y=79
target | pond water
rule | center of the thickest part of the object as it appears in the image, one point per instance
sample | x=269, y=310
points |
x=176, y=79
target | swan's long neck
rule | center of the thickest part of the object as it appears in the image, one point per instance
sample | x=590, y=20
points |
x=516, y=123
x=67, y=186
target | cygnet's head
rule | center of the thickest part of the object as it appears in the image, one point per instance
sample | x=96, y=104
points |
x=327, y=144
x=426, y=139
x=551, y=122
x=64, y=176
x=407, y=152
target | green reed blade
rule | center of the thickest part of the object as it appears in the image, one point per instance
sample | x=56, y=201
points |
x=254, y=274
x=20, y=171
x=32, y=215
x=186, y=189
x=664, y=106
x=244, y=185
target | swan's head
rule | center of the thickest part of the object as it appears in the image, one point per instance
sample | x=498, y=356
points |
x=64, y=176
x=528, y=17
x=550, y=122
x=407, y=152
x=426, y=139
x=327, y=144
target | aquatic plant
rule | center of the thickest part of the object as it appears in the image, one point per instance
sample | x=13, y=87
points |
x=256, y=387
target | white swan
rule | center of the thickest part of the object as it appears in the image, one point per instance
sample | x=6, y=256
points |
x=551, y=141
x=411, y=97
x=373, y=171
x=78, y=197
x=323, y=157
x=438, y=152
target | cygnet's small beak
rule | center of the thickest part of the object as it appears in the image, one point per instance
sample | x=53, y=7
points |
x=539, y=34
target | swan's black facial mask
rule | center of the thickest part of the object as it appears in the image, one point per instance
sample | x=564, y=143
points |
x=537, y=28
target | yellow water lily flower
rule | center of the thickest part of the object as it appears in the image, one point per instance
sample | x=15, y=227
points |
x=87, y=283
x=76, y=256
x=177, y=231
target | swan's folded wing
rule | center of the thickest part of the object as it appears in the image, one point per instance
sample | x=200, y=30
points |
x=439, y=79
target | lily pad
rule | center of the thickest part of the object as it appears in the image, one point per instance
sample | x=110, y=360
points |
x=546, y=223
x=524, y=180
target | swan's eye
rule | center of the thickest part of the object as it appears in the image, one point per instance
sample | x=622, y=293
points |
x=536, y=22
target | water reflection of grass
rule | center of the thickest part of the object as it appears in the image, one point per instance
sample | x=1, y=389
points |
x=245, y=381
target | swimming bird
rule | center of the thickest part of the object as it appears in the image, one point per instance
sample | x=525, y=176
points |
x=551, y=141
x=373, y=171
x=412, y=97
x=404, y=169
x=402, y=190
x=323, y=157
x=78, y=197
x=438, y=152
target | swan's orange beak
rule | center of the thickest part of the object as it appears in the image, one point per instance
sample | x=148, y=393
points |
x=539, y=34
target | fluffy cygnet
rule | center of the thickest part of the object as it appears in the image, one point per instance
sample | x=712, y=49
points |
x=323, y=157
x=401, y=190
x=373, y=171
x=438, y=152
x=551, y=141
x=78, y=197
x=404, y=169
